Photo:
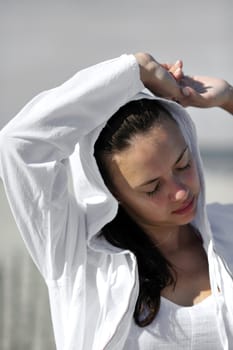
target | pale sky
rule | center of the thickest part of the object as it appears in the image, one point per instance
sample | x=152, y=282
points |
x=45, y=42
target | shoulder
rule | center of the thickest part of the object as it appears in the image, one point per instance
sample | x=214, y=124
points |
x=221, y=223
x=218, y=211
x=221, y=220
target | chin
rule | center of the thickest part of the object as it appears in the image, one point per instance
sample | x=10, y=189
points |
x=187, y=221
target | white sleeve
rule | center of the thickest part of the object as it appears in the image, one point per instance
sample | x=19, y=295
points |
x=35, y=145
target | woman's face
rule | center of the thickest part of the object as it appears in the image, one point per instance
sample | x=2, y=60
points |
x=155, y=179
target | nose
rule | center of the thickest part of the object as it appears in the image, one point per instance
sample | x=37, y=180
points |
x=178, y=192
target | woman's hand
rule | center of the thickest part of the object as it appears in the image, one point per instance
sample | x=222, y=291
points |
x=161, y=79
x=204, y=92
x=168, y=81
x=175, y=69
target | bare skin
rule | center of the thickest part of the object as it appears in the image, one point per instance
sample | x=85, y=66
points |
x=192, y=272
x=161, y=79
x=206, y=92
x=169, y=81
x=173, y=233
x=157, y=205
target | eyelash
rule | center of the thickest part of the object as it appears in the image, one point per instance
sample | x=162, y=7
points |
x=188, y=165
x=152, y=193
x=157, y=188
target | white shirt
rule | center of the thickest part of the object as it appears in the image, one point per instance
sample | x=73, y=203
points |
x=93, y=286
x=178, y=327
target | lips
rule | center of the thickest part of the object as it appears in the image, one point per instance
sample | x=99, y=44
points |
x=186, y=207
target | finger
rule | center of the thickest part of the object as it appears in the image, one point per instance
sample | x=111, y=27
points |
x=176, y=70
x=167, y=66
x=187, y=91
x=184, y=98
x=178, y=74
x=192, y=98
x=168, y=84
x=177, y=65
x=171, y=67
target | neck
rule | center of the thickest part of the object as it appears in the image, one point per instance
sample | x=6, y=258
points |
x=170, y=239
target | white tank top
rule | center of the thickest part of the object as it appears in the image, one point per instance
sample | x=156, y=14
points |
x=178, y=327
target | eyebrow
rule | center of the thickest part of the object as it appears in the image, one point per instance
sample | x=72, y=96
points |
x=157, y=178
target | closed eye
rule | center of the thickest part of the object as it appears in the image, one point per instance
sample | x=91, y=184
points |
x=155, y=190
x=186, y=166
x=157, y=187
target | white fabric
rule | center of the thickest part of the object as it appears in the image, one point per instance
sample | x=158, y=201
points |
x=177, y=327
x=92, y=285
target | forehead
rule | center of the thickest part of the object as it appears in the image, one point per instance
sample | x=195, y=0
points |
x=150, y=154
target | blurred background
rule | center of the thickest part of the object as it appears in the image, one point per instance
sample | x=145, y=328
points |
x=43, y=43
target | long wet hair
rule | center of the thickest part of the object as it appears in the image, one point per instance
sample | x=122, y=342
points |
x=155, y=271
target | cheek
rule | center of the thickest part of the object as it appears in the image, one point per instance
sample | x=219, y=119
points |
x=154, y=207
x=140, y=204
x=193, y=179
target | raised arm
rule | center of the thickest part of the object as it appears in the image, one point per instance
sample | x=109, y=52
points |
x=228, y=104
x=205, y=92
x=35, y=146
x=60, y=116
x=161, y=79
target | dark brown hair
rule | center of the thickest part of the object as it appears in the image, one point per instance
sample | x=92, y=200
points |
x=155, y=271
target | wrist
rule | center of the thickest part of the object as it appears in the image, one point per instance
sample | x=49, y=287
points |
x=147, y=65
x=156, y=78
x=228, y=103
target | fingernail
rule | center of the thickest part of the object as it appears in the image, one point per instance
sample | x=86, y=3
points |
x=186, y=91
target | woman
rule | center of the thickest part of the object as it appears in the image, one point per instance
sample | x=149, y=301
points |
x=97, y=286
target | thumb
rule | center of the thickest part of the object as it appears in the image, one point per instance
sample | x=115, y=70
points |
x=190, y=97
